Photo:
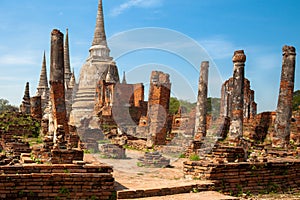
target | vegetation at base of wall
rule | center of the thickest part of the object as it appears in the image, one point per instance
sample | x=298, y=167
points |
x=10, y=120
x=33, y=141
x=104, y=141
x=139, y=164
x=194, y=157
x=113, y=196
x=182, y=155
x=88, y=151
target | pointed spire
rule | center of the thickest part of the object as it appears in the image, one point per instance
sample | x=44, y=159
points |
x=99, y=35
x=124, y=79
x=25, y=105
x=72, y=82
x=109, y=77
x=99, y=50
x=67, y=67
x=26, y=93
x=43, y=83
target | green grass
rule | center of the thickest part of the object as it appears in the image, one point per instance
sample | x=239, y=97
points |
x=194, y=157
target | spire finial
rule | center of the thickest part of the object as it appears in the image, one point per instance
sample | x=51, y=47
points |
x=109, y=77
x=99, y=35
x=43, y=83
x=67, y=58
x=124, y=78
x=99, y=49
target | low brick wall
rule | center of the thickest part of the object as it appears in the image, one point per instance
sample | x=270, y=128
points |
x=57, y=181
x=237, y=178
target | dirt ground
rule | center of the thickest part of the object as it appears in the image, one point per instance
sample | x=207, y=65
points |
x=130, y=176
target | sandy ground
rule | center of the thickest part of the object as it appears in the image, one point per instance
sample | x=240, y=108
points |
x=129, y=176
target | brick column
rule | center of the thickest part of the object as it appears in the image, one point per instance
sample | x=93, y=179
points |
x=281, y=136
x=36, y=107
x=158, y=107
x=57, y=89
x=201, y=109
x=236, y=126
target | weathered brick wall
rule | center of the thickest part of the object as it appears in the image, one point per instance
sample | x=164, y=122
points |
x=277, y=176
x=261, y=127
x=56, y=182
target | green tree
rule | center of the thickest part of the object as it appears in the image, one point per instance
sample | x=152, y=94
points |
x=173, y=105
x=296, y=100
x=6, y=107
x=213, y=106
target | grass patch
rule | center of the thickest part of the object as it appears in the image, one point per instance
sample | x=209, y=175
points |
x=194, y=157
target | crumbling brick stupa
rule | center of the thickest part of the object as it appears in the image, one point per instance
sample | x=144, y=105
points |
x=99, y=65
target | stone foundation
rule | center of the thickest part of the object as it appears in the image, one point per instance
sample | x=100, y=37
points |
x=236, y=178
x=137, y=144
x=68, y=181
x=112, y=151
x=153, y=159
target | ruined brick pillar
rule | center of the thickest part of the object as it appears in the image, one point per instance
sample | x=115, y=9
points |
x=25, y=106
x=226, y=98
x=201, y=109
x=158, y=108
x=253, y=106
x=281, y=136
x=236, y=126
x=57, y=89
x=36, y=107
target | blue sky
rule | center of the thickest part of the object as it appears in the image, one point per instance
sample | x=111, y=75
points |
x=192, y=30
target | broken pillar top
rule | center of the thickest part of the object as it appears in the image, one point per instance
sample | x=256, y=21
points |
x=159, y=77
x=57, y=32
x=239, y=56
x=205, y=63
x=288, y=50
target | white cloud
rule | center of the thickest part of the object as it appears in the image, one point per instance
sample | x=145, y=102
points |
x=135, y=3
x=7, y=59
x=218, y=48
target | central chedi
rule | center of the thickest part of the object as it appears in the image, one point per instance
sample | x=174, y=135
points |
x=98, y=66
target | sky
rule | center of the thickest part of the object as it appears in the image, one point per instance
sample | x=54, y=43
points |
x=174, y=36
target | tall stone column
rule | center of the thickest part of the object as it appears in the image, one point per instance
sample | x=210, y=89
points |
x=201, y=109
x=236, y=126
x=281, y=136
x=57, y=89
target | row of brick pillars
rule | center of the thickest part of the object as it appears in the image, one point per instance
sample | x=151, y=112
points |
x=281, y=136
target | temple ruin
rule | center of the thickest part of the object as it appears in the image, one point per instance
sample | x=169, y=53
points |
x=43, y=144
x=99, y=66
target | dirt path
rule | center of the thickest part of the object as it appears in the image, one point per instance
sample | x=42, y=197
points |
x=129, y=176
